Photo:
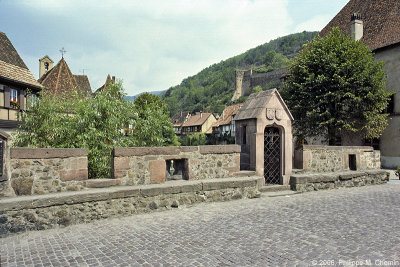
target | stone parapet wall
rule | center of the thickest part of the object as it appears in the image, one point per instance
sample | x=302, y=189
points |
x=47, y=170
x=148, y=165
x=315, y=159
x=20, y=214
x=321, y=181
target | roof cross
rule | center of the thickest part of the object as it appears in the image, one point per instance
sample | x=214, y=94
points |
x=62, y=51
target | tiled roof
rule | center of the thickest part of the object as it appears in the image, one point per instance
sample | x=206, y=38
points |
x=12, y=67
x=196, y=120
x=17, y=74
x=60, y=80
x=83, y=84
x=179, y=118
x=108, y=81
x=226, y=116
x=8, y=53
x=381, y=21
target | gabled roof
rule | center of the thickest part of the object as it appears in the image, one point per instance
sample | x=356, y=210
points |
x=381, y=21
x=227, y=114
x=179, y=118
x=83, y=84
x=107, y=83
x=12, y=67
x=255, y=105
x=197, y=119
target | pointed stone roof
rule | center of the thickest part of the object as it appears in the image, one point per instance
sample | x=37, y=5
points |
x=381, y=21
x=107, y=83
x=12, y=67
x=60, y=80
x=255, y=105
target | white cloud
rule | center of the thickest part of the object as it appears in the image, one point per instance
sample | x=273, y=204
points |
x=151, y=45
x=316, y=23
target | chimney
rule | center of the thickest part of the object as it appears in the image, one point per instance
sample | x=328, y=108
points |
x=356, y=26
x=201, y=114
x=223, y=115
x=113, y=79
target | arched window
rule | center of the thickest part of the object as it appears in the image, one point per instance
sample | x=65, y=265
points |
x=46, y=66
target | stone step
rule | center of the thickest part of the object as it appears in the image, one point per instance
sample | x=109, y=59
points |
x=274, y=188
x=279, y=193
x=101, y=183
x=244, y=174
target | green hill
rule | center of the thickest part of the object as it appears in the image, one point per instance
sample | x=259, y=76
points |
x=212, y=88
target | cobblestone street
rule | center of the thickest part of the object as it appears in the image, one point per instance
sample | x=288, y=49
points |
x=337, y=227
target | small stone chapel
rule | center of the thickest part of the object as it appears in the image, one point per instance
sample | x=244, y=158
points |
x=264, y=132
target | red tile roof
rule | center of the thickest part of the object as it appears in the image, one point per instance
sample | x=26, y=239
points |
x=226, y=116
x=83, y=84
x=179, y=118
x=381, y=19
x=60, y=80
x=12, y=67
x=196, y=120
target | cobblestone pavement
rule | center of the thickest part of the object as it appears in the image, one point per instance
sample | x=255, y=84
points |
x=357, y=225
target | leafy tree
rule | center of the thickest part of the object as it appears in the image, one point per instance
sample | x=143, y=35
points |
x=195, y=139
x=145, y=100
x=335, y=87
x=99, y=123
x=256, y=89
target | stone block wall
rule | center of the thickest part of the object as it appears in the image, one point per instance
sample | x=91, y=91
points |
x=314, y=159
x=57, y=210
x=148, y=165
x=47, y=170
x=320, y=181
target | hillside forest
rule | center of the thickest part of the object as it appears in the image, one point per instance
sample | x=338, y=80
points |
x=212, y=88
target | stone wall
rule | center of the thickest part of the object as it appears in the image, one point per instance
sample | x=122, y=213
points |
x=148, y=165
x=47, y=170
x=61, y=209
x=313, y=159
x=319, y=181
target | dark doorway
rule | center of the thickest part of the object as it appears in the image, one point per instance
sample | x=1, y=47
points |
x=272, y=155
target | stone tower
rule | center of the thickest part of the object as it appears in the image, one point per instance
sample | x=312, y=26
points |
x=45, y=64
x=242, y=83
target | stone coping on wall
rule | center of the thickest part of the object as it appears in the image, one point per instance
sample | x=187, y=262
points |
x=321, y=147
x=46, y=153
x=316, y=181
x=101, y=194
x=174, y=150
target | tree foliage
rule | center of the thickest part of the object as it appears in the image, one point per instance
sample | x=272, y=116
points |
x=195, y=139
x=99, y=123
x=335, y=86
x=213, y=87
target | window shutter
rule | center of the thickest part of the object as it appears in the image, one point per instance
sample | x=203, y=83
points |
x=21, y=99
x=6, y=96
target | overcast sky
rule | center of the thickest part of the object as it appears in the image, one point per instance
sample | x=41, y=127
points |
x=152, y=44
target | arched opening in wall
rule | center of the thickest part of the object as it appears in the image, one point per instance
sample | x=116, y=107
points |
x=272, y=155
